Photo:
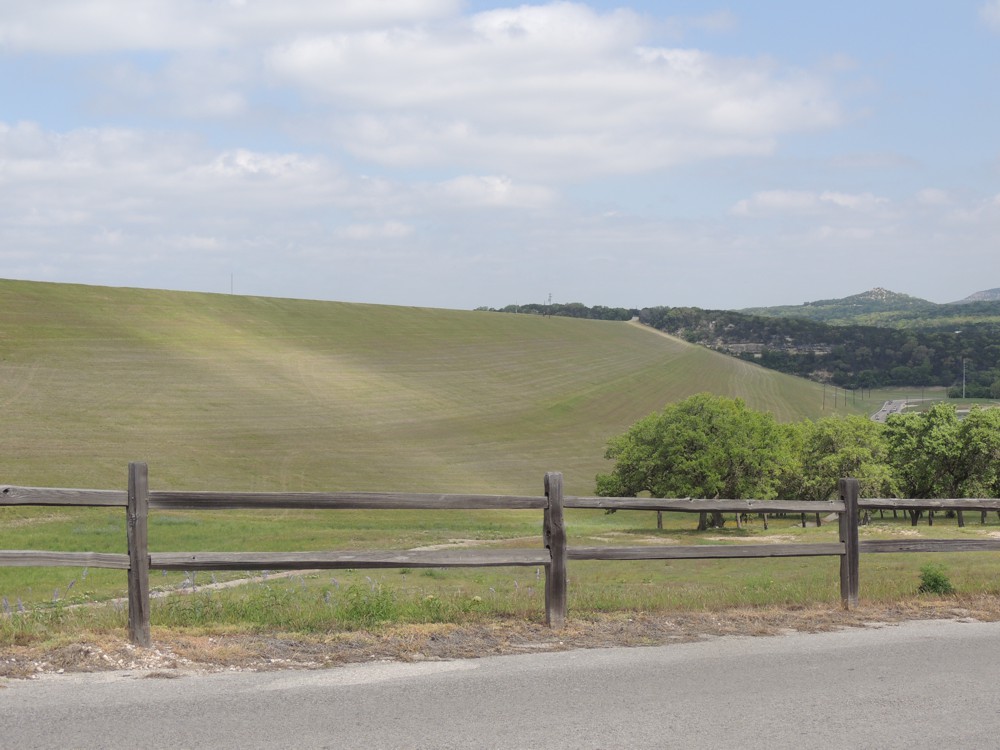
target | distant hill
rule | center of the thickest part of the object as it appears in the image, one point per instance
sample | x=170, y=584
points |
x=989, y=295
x=251, y=393
x=864, y=308
x=884, y=308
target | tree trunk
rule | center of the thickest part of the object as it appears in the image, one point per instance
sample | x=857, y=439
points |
x=961, y=518
x=702, y=521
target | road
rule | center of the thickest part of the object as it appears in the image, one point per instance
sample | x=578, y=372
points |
x=916, y=685
x=889, y=407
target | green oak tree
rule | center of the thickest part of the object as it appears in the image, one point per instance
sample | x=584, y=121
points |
x=979, y=437
x=705, y=447
x=935, y=454
x=829, y=449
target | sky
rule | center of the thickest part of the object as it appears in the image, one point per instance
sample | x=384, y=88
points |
x=453, y=154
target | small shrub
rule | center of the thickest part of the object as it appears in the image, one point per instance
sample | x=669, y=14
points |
x=934, y=580
x=432, y=609
x=370, y=607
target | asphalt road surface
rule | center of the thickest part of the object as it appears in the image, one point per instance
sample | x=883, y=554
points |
x=916, y=685
x=888, y=408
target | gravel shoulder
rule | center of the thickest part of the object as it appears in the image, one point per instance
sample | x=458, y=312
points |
x=176, y=654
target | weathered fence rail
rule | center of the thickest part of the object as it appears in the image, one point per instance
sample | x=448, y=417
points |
x=963, y=503
x=552, y=555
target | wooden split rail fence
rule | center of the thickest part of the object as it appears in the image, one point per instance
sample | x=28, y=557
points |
x=552, y=555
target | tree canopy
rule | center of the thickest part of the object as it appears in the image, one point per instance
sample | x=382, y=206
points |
x=825, y=451
x=704, y=446
x=935, y=454
x=715, y=447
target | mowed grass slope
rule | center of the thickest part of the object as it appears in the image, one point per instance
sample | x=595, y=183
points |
x=250, y=393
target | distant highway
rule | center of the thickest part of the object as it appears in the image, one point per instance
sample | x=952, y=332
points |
x=889, y=407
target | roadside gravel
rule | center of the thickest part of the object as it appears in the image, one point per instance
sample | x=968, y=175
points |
x=177, y=653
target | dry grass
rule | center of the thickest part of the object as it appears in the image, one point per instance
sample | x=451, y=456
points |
x=175, y=654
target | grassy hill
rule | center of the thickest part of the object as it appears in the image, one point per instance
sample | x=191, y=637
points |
x=251, y=393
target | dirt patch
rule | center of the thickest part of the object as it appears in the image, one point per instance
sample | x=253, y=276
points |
x=466, y=543
x=17, y=523
x=178, y=654
x=770, y=539
x=639, y=540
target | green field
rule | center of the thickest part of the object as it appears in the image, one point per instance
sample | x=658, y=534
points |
x=248, y=393
x=219, y=392
x=346, y=599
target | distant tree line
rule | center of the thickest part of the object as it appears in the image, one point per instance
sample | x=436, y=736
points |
x=715, y=447
x=937, y=351
x=569, y=310
x=850, y=356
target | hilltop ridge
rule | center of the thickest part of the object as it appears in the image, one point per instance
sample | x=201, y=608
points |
x=987, y=295
x=855, y=308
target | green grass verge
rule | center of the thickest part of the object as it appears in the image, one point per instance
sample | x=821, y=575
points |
x=331, y=601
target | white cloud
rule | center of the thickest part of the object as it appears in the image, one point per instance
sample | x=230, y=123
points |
x=108, y=184
x=545, y=91
x=779, y=201
x=493, y=191
x=199, y=243
x=388, y=230
x=990, y=13
x=115, y=206
x=534, y=91
x=776, y=202
x=854, y=201
x=82, y=26
x=195, y=85
x=933, y=197
x=981, y=213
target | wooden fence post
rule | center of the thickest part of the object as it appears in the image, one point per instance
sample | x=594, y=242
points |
x=554, y=536
x=137, y=515
x=849, y=561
